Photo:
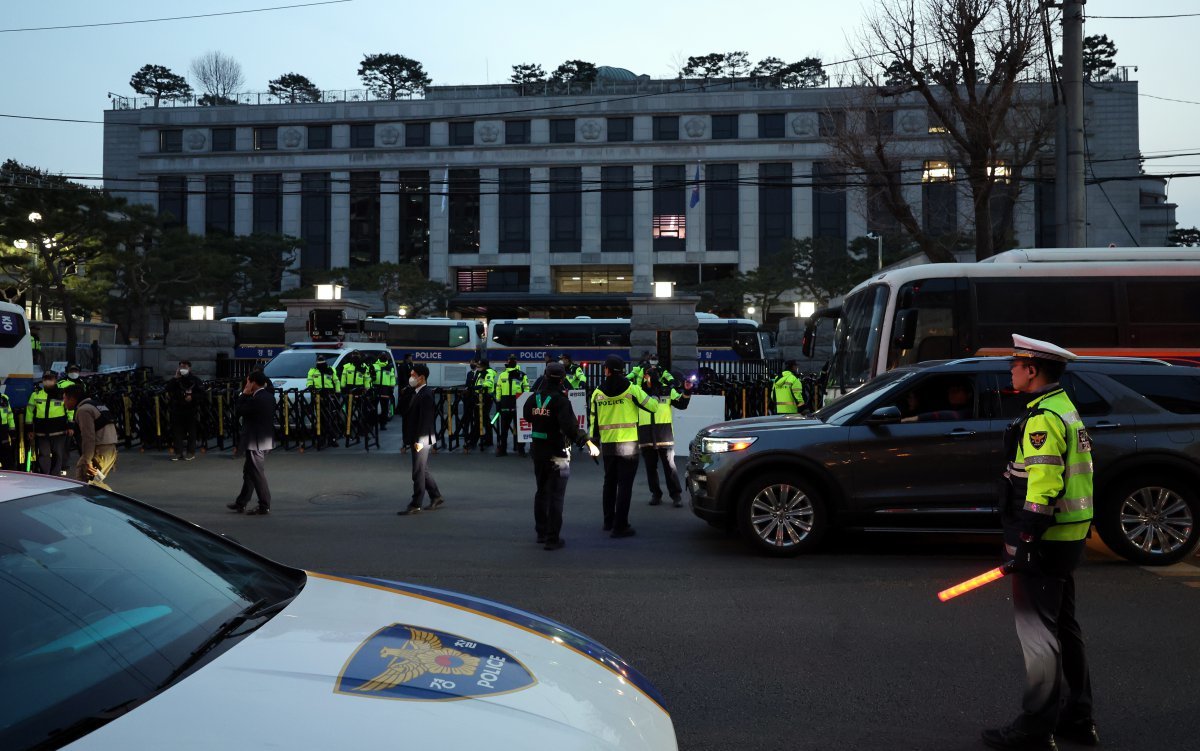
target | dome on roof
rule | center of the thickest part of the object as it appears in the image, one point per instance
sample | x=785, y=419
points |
x=607, y=73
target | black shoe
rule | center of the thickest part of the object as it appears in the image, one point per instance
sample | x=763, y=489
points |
x=501, y=453
x=608, y=526
x=259, y=510
x=656, y=501
x=1082, y=731
x=435, y=504
x=624, y=532
x=678, y=502
x=555, y=544
x=1010, y=738
x=409, y=510
x=236, y=507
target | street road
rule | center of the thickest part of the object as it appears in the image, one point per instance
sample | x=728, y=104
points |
x=846, y=649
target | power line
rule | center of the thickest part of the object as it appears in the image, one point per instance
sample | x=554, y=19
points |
x=1140, y=18
x=174, y=18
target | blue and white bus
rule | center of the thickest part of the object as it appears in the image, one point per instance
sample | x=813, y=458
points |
x=446, y=345
x=16, y=355
x=261, y=336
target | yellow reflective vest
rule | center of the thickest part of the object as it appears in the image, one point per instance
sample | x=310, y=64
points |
x=319, y=380
x=511, y=382
x=789, y=394
x=615, y=418
x=44, y=414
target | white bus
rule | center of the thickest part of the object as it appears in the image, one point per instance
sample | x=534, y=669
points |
x=1094, y=301
x=446, y=345
x=261, y=336
x=16, y=355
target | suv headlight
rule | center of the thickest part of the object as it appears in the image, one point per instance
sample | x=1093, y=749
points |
x=723, y=445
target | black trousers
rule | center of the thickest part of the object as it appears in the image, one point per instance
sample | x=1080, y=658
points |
x=8, y=453
x=184, y=426
x=1051, y=640
x=619, y=473
x=665, y=455
x=254, y=479
x=422, y=479
x=552, y=478
x=508, y=426
x=487, y=430
x=383, y=396
x=468, y=424
x=51, y=453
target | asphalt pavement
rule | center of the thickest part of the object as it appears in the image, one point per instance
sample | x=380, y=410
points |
x=844, y=649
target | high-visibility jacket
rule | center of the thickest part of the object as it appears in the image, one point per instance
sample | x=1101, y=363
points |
x=63, y=384
x=654, y=428
x=7, y=420
x=511, y=382
x=486, y=382
x=789, y=393
x=45, y=414
x=384, y=374
x=1053, y=466
x=354, y=377
x=615, y=418
x=576, y=378
x=323, y=380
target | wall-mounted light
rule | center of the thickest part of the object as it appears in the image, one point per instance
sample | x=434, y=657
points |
x=664, y=289
x=201, y=312
x=329, y=292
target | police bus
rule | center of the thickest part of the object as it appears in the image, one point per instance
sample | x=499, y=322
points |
x=529, y=340
x=1094, y=301
x=16, y=355
x=260, y=336
x=444, y=344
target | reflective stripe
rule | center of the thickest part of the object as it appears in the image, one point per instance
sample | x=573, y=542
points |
x=618, y=425
x=1039, y=508
x=536, y=434
x=1010, y=549
x=1082, y=468
x=1068, y=505
x=1070, y=417
x=1014, y=470
x=1055, y=460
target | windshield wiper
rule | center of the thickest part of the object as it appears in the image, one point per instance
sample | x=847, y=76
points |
x=256, y=609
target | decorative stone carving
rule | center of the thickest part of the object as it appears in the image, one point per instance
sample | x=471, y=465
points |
x=291, y=138
x=489, y=132
x=804, y=124
x=195, y=140
x=389, y=135
x=695, y=127
x=911, y=122
x=590, y=130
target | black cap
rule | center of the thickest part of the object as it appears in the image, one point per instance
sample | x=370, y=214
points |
x=320, y=358
x=73, y=366
x=556, y=370
x=614, y=363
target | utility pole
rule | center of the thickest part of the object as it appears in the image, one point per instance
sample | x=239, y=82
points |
x=1072, y=84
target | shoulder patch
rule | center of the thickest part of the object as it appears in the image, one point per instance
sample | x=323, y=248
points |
x=1037, y=439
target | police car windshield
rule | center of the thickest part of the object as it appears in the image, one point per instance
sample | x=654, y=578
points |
x=293, y=363
x=104, y=599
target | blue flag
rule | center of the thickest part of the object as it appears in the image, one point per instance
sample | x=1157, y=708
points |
x=695, y=190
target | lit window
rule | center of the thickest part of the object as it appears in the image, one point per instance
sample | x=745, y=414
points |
x=936, y=171
x=670, y=225
x=1000, y=171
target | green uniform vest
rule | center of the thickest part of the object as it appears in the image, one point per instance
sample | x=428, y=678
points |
x=789, y=394
x=385, y=375
x=487, y=382
x=662, y=414
x=576, y=378
x=45, y=415
x=318, y=381
x=511, y=382
x=7, y=421
x=1055, y=458
x=616, y=417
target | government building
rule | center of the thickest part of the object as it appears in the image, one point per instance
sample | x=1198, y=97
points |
x=528, y=202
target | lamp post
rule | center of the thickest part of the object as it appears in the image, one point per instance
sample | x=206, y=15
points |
x=878, y=238
x=403, y=311
x=200, y=312
x=329, y=292
x=664, y=289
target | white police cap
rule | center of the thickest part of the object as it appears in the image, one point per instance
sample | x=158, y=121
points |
x=1024, y=346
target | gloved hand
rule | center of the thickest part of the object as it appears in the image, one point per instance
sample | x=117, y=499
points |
x=1026, y=560
x=688, y=384
x=593, y=449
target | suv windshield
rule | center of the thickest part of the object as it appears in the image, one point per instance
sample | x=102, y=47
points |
x=841, y=410
x=104, y=599
x=293, y=363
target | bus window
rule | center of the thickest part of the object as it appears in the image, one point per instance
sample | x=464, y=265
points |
x=746, y=342
x=566, y=335
x=858, y=336
x=459, y=335
x=1163, y=312
x=937, y=321
x=611, y=334
x=504, y=334
x=1072, y=313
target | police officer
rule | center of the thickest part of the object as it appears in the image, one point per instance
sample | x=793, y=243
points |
x=656, y=438
x=349, y=372
x=614, y=411
x=8, y=434
x=35, y=343
x=648, y=360
x=789, y=390
x=555, y=427
x=510, y=384
x=485, y=386
x=383, y=375
x=547, y=359
x=468, y=424
x=324, y=383
x=1047, y=513
x=576, y=377
x=46, y=425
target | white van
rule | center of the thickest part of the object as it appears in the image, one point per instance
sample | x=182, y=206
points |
x=289, y=369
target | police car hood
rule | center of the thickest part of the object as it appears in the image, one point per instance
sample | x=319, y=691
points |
x=366, y=663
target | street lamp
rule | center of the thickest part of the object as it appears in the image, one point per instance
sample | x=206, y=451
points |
x=879, y=244
x=329, y=292
x=664, y=289
x=201, y=312
x=804, y=309
x=403, y=311
x=751, y=309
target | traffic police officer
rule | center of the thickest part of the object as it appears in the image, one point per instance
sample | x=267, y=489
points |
x=555, y=427
x=576, y=377
x=638, y=371
x=8, y=435
x=46, y=425
x=485, y=385
x=1047, y=513
x=656, y=439
x=614, y=411
x=383, y=375
x=509, y=385
x=789, y=390
x=325, y=383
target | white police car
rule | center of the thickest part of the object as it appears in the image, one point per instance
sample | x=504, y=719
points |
x=125, y=627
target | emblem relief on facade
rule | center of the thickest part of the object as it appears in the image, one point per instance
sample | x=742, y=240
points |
x=195, y=140
x=695, y=127
x=489, y=132
x=389, y=135
x=590, y=130
x=291, y=138
x=804, y=124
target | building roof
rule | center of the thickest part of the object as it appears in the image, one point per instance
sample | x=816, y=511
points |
x=608, y=73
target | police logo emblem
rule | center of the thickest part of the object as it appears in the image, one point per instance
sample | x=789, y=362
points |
x=1037, y=439
x=408, y=663
x=1085, y=441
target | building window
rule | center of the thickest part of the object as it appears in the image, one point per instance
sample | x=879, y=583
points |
x=724, y=127
x=937, y=171
x=1044, y=201
x=170, y=141
x=935, y=123
x=265, y=139
x=514, y=211
x=268, y=205
x=829, y=203
x=172, y=201
x=314, y=220
x=620, y=129
x=464, y=210
x=721, y=226
x=224, y=139
x=416, y=134
x=830, y=123
x=880, y=122
x=881, y=220
x=666, y=128
x=414, y=218
x=516, y=131
x=503, y=279
x=774, y=210
x=218, y=204
x=562, y=131
x=320, y=136
x=364, y=219
x=1000, y=172
x=362, y=136
x=566, y=210
x=669, y=223
x=616, y=209
x=692, y=275
x=770, y=125
x=593, y=280
x=462, y=134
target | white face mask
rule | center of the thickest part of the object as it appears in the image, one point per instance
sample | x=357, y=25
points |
x=654, y=363
x=413, y=382
x=73, y=376
x=183, y=371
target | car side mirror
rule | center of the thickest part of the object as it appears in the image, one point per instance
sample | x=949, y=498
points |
x=904, y=332
x=884, y=416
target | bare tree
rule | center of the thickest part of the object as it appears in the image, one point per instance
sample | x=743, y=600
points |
x=219, y=75
x=976, y=67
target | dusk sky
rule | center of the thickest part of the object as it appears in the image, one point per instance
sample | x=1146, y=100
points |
x=67, y=73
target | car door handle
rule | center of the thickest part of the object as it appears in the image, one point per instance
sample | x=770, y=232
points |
x=960, y=433
x=1106, y=426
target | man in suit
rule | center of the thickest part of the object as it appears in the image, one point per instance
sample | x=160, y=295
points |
x=416, y=404
x=256, y=407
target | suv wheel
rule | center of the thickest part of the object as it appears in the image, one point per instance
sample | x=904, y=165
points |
x=781, y=516
x=1150, y=520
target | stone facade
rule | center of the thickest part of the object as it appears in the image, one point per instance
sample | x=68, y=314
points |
x=676, y=315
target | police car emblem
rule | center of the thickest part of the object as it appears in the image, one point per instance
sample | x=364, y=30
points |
x=408, y=663
x=1038, y=439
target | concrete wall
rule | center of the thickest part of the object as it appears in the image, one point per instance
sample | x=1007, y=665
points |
x=197, y=341
x=674, y=314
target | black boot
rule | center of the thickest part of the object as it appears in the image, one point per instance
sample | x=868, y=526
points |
x=1010, y=738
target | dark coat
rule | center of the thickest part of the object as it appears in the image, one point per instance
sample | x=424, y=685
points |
x=419, y=414
x=179, y=388
x=258, y=420
x=555, y=421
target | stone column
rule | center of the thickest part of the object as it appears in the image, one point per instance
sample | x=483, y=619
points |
x=540, y=276
x=243, y=204
x=290, y=222
x=910, y=176
x=195, y=204
x=694, y=241
x=802, y=200
x=198, y=342
x=643, y=241
x=676, y=315
x=439, y=228
x=489, y=210
x=591, y=209
x=389, y=216
x=856, y=213
x=339, y=220
x=748, y=211
x=1024, y=217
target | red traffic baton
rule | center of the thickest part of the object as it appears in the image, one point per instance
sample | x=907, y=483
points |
x=975, y=582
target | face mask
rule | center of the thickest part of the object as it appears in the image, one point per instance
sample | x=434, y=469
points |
x=413, y=382
x=654, y=363
x=183, y=371
x=49, y=384
x=73, y=376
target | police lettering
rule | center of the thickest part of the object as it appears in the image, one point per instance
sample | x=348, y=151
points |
x=491, y=672
x=427, y=355
x=463, y=643
x=541, y=412
x=531, y=355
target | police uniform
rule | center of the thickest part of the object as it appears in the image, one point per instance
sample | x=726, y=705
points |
x=789, y=393
x=486, y=388
x=46, y=420
x=468, y=424
x=9, y=440
x=614, y=411
x=656, y=438
x=383, y=375
x=1047, y=513
x=509, y=385
x=324, y=384
x=576, y=377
